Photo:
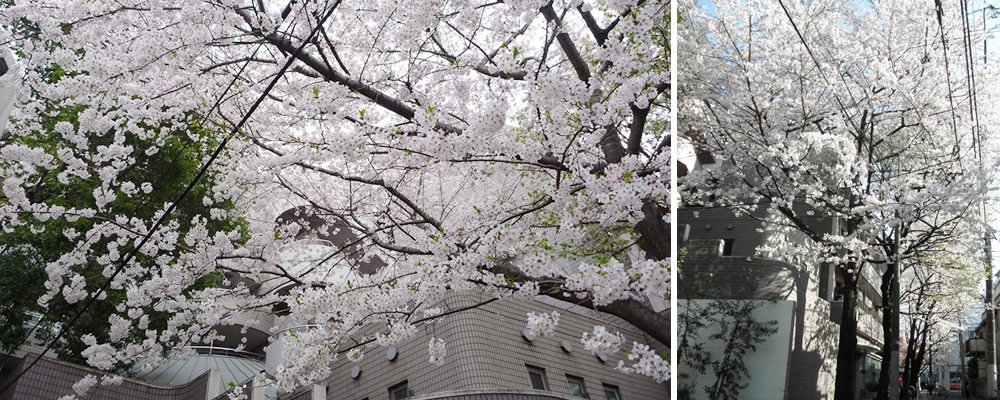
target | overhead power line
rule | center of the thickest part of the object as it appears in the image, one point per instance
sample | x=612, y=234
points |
x=145, y=196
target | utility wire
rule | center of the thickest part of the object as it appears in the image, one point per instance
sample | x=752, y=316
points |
x=977, y=138
x=971, y=81
x=947, y=69
x=187, y=190
x=145, y=197
x=843, y=108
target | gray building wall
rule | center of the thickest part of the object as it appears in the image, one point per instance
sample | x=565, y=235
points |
x=486, y=351
x=52, y=379
x=705, y=273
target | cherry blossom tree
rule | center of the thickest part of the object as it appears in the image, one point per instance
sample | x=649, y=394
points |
x=25, y=250
x=853, y=110
x=938, y=291
x=515, y=148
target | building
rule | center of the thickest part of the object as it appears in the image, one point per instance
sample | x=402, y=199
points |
x=754, y=257
x=489, y=356
x=976, y=349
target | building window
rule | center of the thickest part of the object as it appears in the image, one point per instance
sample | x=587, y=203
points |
x=400, y=391
x=727, y=247
x=611, y=392
x=871, y=369
x=537, y=377
x=576, y=386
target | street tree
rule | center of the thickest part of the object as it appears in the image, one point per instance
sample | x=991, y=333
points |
x=839, y=109
x=939, y=288
x=515, y=148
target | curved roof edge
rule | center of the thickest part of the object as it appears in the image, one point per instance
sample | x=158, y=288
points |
x=526, y=393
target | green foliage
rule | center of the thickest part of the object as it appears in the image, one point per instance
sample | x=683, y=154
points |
x=25, y=250
x=689, y=348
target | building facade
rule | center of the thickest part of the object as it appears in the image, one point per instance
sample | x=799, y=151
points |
x=800, y=294
x=490, y=356
x=756, y=256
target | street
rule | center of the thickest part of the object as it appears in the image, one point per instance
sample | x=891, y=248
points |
x=953, y=394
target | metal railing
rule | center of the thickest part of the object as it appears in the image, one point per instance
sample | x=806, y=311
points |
x=225, y=351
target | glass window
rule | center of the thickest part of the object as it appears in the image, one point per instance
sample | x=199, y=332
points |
x=727, y=247
x=537, y=377
x=400, y=391
x=576, y=386
x=611, y=392
x=872, y=370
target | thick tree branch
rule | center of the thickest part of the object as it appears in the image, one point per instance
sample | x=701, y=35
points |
x=384, y=100
x=569, y=48
x=635, y=312
x=373, y=181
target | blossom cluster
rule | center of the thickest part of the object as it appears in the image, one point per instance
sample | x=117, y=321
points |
x=601, y=341
x=437, y=351
x=542, y=324
x=644, y=361
x=451, y=160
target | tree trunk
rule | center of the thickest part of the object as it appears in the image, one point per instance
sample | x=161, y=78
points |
x=888, y=335
x=909, y=373
x=918, y=361
x=654, y=231
x=846, y=384
x=914, y=358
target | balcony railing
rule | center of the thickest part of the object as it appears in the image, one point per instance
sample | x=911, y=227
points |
x=869, y=325
x=975, y=345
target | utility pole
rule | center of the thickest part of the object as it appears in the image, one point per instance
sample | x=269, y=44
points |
x=961, y=362
x=991, y=367
x=991, y=357
x=893, y=344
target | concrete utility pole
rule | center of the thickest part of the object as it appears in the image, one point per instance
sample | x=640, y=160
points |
x=991, y=356
x=961, y=362
x=894, y=344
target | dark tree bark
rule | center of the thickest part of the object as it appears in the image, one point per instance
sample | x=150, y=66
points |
x=844, y=388
x=883, y=392
x=918, y=361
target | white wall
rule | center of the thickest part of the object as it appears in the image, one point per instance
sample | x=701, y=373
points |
x=768, y=366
